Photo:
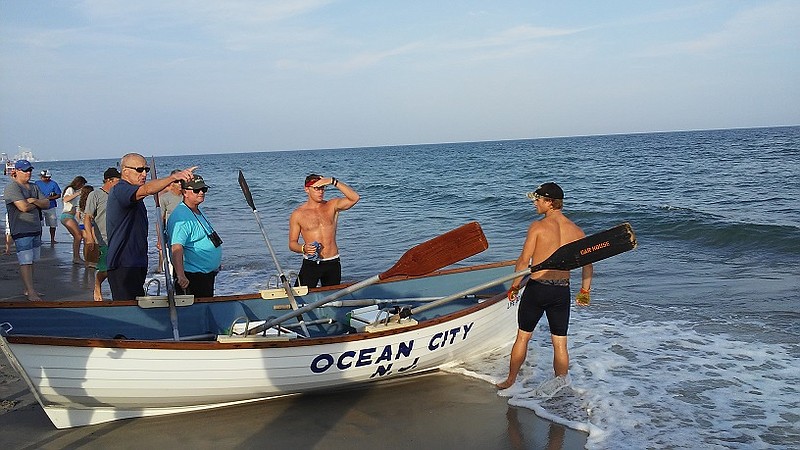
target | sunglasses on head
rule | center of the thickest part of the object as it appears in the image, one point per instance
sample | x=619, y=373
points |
x=203, y=189
x=145, y=169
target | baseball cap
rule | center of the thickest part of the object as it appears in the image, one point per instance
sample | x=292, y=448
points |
x=548, y=190
x=196, y=183
x=110, y=173
x=23, y=165
x=46, y=174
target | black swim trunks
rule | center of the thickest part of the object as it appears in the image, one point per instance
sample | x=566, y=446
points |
x=545, y=297
x=327, y=271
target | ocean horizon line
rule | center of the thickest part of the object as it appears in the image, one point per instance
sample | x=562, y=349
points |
x=421, y=144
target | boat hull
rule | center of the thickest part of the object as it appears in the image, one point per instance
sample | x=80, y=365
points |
x=81, y=381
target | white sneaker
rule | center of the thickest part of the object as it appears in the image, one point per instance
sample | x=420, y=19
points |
x=551, y=387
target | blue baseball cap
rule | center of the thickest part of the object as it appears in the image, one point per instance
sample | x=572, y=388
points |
x=23, y=165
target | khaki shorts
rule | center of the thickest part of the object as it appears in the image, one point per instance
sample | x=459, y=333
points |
x=50, y=217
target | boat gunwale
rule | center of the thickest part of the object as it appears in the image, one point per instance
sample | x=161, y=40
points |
x=300, y=342
x=238, y=297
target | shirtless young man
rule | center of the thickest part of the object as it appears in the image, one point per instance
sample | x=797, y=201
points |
x=316, y=221
x=547, y=291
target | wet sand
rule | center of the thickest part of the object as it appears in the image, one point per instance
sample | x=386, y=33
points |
x=436, y=410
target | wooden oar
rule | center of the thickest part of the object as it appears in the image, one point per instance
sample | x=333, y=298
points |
x=284, y=280
x=570, y=256
x=373, y=301
x=165, y=256
x=449, y=248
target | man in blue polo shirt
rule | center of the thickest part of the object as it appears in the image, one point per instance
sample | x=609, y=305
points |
x=126, y=221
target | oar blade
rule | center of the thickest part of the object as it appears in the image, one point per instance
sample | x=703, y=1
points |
x=246, y=191
x=590, y=249
x=441, y=251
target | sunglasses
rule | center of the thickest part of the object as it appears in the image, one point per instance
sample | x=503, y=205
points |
x=144, y=169
x=199, y=190
x=29, y=170
x=318, y=188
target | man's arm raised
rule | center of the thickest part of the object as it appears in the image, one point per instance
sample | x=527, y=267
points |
x=350, y=198
x=158, y=185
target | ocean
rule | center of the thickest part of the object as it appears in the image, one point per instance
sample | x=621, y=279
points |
x=692, y=339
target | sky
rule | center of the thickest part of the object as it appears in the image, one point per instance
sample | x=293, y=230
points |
x=101, y=78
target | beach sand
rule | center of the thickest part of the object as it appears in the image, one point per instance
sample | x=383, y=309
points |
x=437, y=410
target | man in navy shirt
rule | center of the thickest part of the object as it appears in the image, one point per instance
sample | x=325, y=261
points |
x=126, y=221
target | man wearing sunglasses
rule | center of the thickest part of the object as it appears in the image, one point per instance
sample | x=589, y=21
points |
x=316, y=222
x=196, y=247
x=547, y=291
x=127, y=225
x=24, y=203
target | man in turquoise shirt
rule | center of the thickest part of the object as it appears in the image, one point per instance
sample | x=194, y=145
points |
x=196, y=247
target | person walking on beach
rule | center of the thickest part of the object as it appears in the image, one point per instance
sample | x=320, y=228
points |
x=53, y=192
x=72, y=195
x=126, y=222
x=24, y=201
x=196, y=247
x=316, y=221
x=94, y=223
x=547, y=291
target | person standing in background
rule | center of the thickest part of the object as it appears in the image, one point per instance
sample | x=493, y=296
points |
x=8, y=236
x=196, y=247
x=168, y=200
x=53, y=192
x=316, y=221
x=90, y=251
x=24, y=201
x=127, y=224
x=68, y=217
x=94, y=222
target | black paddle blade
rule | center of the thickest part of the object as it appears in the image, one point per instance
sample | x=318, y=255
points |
x=439, y=252
x=590, y=249
x=246, y=191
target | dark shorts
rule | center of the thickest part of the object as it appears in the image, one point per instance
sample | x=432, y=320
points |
x=328, y=272
x=538, y=299
x=200, y=284
x=127, y=282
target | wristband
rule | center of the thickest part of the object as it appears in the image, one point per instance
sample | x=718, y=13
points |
x=334, y=181
x=585, y=291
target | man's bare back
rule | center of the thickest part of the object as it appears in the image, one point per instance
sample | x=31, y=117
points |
x=550, y=233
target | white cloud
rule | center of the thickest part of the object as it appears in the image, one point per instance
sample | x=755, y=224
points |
x=770, y=25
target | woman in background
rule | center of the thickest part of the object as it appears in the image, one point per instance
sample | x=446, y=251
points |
x=91, y=252
x=71, y=198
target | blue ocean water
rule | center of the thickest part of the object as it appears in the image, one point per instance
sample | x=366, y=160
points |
x=692, y=339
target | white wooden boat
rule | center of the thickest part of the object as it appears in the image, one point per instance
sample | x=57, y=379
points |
x=90, y=362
